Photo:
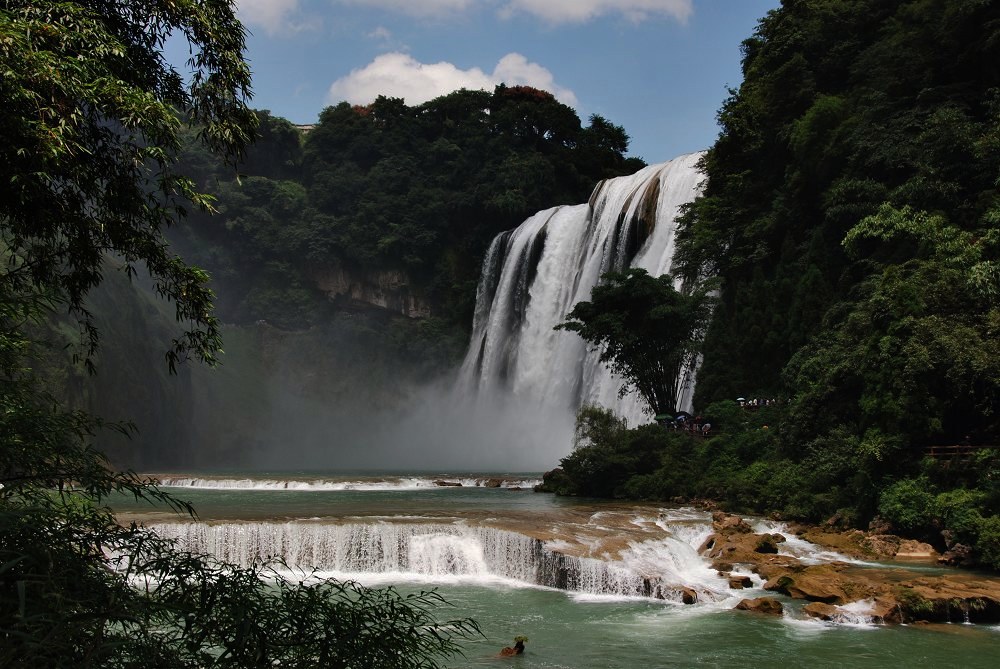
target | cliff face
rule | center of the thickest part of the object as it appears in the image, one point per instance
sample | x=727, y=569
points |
x=392, y=290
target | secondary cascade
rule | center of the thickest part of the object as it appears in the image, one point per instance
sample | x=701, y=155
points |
x=533, y=275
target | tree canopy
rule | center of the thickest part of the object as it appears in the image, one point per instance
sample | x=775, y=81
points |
x=647, y=331
x=387, y=186
x=851, y=214
x=89, y=138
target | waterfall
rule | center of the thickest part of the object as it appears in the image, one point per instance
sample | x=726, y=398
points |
x=659, y=568
x=534, y=275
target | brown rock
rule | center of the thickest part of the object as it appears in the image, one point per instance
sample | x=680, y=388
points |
x=886, y=610
x=881, y=545
x=958, y=554
x=448, y=484
x=879, y=525
x=738, y=582
x=915, y=550
x=493, y=483
x=689, y=596
x=724, y=523
x=767, y=605
x=820, y=583
x=768, y=543
x=821, y=610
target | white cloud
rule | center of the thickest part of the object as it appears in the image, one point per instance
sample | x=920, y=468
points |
x=579, y=11
x=514, y=69
x=275, y=17
x=381, y=33
x=421, y=8
x=402, y=76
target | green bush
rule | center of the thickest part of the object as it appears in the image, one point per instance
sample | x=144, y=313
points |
x=988, y=542
x=958, y=511
x=908, y=505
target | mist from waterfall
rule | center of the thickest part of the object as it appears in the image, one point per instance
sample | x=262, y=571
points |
x=534, y=275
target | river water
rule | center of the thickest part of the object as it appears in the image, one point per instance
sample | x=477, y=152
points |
x=497, y=554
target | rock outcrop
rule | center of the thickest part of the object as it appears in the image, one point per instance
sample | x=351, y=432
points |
x=391, y=290
x=738, y=581
x=842, y=591
x=766, y=605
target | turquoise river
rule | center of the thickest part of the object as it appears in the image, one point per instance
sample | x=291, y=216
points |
x=593, y=585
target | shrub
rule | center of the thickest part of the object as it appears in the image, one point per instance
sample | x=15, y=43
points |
x=988, y=542
x=908, y=505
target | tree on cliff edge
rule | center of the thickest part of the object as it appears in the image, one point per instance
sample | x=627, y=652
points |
x=88, y=145
x=648, y=331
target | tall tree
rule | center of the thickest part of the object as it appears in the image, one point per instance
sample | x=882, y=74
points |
x=88, y=144
x=647, y=330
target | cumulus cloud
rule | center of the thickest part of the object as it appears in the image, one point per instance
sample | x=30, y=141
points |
x=402, y=76
x=275, y=17
x=421, y=8
x=579, y=11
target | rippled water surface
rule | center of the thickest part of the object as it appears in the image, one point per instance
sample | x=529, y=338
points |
x=485, y=548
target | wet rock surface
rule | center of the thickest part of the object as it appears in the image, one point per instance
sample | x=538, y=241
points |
x=766, y=605
x=839, y=591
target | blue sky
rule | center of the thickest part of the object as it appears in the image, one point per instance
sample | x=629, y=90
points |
x=659, y=68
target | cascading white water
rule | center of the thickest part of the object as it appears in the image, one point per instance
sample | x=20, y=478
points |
x=658, y=568
x=372, y=484
x=535, y=274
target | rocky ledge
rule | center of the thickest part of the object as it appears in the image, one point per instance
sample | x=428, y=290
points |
x=846, y=591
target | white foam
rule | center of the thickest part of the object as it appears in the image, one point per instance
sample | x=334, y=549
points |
x=323, y=485
x=804, y=551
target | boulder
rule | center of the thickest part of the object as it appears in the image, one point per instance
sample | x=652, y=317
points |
x=448, y=484
x=493, y=483
x=725, y=550
x=910, y=549
x=738, y=582
x=766, y=605
x=879, y=525
x=768, y=543
x=881, y=545
x=689, y=596
x=725, y=523
x=886, y=610
x=821, y=610
x=819, y=583
x=958, y=554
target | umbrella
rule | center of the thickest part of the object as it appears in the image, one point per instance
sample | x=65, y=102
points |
x=741, y=399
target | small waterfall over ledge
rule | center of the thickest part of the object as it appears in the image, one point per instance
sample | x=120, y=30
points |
x=533, y=275
x=661, y=568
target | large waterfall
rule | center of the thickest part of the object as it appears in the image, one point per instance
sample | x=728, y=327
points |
x=534, y=274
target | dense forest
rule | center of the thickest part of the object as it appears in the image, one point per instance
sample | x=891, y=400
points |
x=344, y=259
x=851, y=215
x=419, y=191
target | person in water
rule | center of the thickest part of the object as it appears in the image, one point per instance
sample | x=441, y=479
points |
x=517, y=649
